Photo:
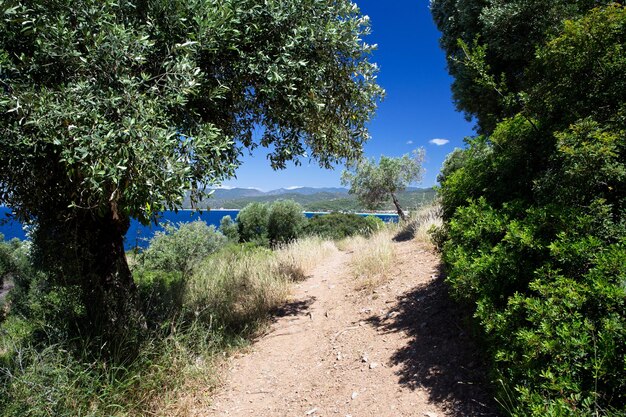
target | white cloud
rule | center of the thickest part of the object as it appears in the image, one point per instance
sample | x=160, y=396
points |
x=293, y=187
x=438, y=142
x=410, y=142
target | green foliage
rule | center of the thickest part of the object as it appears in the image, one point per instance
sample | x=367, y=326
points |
x=13, y=259
x=45, y=370
x=181, y=247
x=113, y=110
x=285, y=222
x=373, y=183
x=160, y=296
x=340, y=225
x=229, y=229
x=226, y=66
x=252, y=223
x=535, y=230
x=374, y=224
x=504, y=37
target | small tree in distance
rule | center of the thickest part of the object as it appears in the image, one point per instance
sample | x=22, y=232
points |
x=374, y=183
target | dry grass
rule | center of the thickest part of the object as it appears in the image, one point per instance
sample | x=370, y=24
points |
x=298, y=259
x=373, y=258
x=240, y=286
x=237, y=286
x=419, y=224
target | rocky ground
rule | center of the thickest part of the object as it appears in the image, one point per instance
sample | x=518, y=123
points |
x=402, y=349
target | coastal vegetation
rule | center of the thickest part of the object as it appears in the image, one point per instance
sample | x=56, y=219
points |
x=534, y=234
x=113, y=112
x=201, y=295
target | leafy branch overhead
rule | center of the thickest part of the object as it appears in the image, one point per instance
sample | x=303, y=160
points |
x=109, y=102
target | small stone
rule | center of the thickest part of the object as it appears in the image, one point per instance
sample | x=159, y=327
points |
x=356, y=394
x=392, y=314
x=339, y=357
x=373, y=365
x=364, y=358
x=430, y=414
x=311, y=411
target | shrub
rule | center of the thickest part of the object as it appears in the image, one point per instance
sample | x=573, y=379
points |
x=180, y=248
x=229, y=229
x=13, y=259
x=374, y=223
x=536, y=232
x=160, y=295
x=285, y=222
x=339, y=225
x=252, y=223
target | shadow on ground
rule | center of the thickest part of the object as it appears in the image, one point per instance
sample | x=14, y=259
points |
x=294, y=308
x=441, y=355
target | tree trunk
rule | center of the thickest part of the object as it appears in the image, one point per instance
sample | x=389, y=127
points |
x=398, y=208
x=85, y=254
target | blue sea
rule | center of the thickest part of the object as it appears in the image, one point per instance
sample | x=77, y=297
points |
x=138, y=235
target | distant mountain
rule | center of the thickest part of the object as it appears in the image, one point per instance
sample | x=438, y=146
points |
x=230, y=193
x=308, y=190
x=311, y=198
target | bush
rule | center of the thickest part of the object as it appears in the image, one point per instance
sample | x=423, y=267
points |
x=160, y=296
x=180, y=248
x=13, y=259
x=285, y=222
x=374, y=223
x=229, y=229
x=339, y=225
x=252, y=223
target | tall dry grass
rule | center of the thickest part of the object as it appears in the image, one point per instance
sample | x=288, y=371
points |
x=419, y=224
x=236, y=287
x=372, y=258
x=424, y=220
x=300, y=258
x=242, y=285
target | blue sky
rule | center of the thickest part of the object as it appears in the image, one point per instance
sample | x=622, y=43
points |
x=417, y=109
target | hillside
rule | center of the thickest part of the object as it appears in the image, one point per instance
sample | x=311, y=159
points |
x=312, y=199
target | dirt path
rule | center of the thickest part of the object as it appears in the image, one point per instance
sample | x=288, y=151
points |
x=399, y=351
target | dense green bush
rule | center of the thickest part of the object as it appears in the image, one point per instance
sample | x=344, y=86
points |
x=340, y=225
x=374, y=223
x=285, y=222
x=252, y=223
x=160, y=296
x=535, y=233
x=12, y=259
x=181, y=247
x=229, y=229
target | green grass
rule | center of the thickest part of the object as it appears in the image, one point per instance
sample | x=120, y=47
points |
x=193, y=322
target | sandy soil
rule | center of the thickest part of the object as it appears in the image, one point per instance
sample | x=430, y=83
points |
x=401, y=350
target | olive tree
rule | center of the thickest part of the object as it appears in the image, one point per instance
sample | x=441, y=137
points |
x=374, y=183
x=113, y=110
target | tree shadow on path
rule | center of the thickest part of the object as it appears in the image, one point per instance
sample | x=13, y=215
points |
x=441, y=355
x=294, y=308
